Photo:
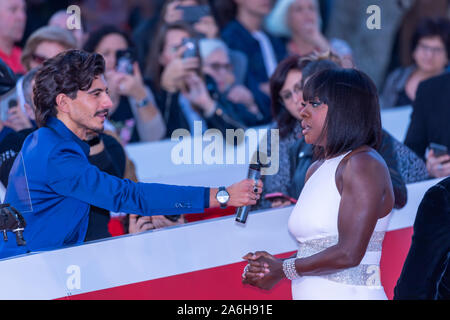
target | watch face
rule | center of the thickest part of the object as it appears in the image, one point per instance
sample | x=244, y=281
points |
x=223, y=196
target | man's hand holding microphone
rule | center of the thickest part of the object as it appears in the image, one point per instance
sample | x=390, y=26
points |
x=244, y=193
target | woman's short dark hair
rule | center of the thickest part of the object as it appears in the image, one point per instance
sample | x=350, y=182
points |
x=284, y=119
x=432, y=27
x=66, y=73
x=97, y=36
x=353, y=118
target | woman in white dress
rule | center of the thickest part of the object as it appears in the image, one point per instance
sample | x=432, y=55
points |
x=341, y=215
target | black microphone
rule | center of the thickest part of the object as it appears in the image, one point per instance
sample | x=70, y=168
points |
x=254, y=173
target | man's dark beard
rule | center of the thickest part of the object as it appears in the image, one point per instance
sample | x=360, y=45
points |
x=93, y=133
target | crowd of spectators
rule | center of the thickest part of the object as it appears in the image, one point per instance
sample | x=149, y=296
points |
x=230, y=64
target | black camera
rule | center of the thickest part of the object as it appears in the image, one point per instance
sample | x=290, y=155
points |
x=125, y=60
x=12, y=220
x=193, y=14
x=191, y=46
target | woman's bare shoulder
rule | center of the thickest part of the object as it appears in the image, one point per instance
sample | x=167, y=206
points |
x=364, y=162
x=364, y=158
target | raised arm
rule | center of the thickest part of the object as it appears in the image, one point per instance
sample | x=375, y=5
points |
x=72, y=175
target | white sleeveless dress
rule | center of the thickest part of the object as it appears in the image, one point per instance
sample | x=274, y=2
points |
x=313, y=222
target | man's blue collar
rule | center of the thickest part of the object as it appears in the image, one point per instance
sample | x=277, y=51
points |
x=60, y=128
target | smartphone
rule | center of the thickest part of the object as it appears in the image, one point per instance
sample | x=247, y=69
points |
x=7, y=101
x=439, y=150
x=125, y=60
x=277, y=195
x=191, y=45
x=193, y=14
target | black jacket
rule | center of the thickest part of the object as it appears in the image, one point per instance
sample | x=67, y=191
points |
x=428, y=255
x=431, y=115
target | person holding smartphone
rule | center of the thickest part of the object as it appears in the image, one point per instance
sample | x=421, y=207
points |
x=134, y=116
x=182, y=91
x=429, y=124
x=438, y=161
x=197, y=13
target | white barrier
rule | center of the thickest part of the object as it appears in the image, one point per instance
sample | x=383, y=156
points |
x=154, y=163
x=162, y=253
x=396, y=121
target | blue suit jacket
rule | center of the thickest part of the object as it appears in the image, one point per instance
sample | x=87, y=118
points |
x=63, y=184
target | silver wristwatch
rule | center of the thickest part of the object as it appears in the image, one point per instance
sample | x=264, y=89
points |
x=222, y=197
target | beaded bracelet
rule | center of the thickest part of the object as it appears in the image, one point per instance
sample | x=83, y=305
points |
x=289, y=269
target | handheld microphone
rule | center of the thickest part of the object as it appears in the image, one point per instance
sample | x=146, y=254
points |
x=254, y=173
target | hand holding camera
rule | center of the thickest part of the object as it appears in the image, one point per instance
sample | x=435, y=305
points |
x=198, y=95
x=13, y=116
x=185, y=63
x=132, y=85
x=438, y=161
x=207, y=26
x=128, y=78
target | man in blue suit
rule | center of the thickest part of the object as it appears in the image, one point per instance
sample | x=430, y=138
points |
x=72, y=101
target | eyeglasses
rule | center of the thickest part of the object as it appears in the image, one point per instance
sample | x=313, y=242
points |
x=433, y=50
x=287, y=95
x=216, y=66
x=38, y=58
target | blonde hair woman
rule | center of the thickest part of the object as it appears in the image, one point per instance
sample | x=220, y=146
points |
x=45, y=43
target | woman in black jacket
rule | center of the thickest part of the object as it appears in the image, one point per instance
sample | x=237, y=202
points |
x=425, y=271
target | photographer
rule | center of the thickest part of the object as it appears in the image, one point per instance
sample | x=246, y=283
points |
x=182, y=92
x=196, y=13
x=134, y=116
x=217, y=64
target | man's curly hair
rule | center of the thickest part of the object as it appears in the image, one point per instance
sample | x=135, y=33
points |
x=66, y=73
